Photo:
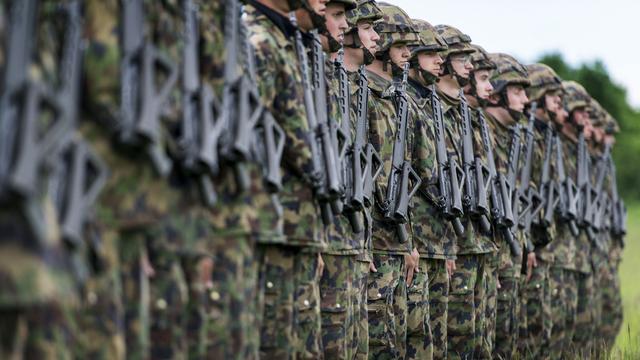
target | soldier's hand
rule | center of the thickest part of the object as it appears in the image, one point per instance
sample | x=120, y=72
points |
x=412, y=265
x=146, y=266
x=451, y=267
x=320, y=265
x=205, y=270
x=372, y=267
x=531, y=263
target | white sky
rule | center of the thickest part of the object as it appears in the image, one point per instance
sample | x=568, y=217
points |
x=581, y=30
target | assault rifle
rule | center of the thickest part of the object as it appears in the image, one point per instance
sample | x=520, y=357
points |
x=528, y=202
x=475, y=173
x=548, y=187
x=499, y=194
x=449, y=173
x=618, y=209
x=396, y=204
x=141, y=101
x=508, y=185
x=586, y=192
x=352, y=168
x=567, y=194
x=324, y=176
x=600, y=203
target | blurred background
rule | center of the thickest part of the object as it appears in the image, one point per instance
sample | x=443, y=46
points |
x=593, y=42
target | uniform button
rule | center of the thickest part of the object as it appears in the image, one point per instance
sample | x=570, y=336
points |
x=378, y=296
x=161, y=304
x=555, y=291
x=215, y=296
x=306, y=303
x=466, y=288
x=338, y=306
x=537, y=286
x=269, y=285
x=92, y=298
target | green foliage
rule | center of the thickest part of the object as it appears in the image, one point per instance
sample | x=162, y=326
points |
x=613, y=97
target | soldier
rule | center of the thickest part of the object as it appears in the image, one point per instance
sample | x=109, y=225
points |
x=344, y=241
x=393, y=262
x=467, y=294
x=545, y=91
x=505, y=110
x=38, y=291
x=433, y=233
x=359, y=50
x=291, y=270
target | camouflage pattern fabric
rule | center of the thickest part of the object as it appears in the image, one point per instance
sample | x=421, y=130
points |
x=611, y=316
x=307, y=316
x=438, y=305
x=336, y=291
x=507, y=314
x=491, y=291
x=535, y=333
x=564, y=304
x=387, y=308
x=419, y=336
x=360, y=345
x=585, y=316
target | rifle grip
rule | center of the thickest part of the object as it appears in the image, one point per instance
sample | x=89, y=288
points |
x=401, y=231
x=457, y=226
x=354, y=220
x=325, y=213
x=514, y=246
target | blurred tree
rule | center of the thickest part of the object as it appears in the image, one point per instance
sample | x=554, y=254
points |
x=613, y=97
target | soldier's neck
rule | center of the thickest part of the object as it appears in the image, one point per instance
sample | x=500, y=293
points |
x=377, y=67
x=569, y=131
x=449, y=86
x=502, y=115
x=472, y=100
x=353, y=59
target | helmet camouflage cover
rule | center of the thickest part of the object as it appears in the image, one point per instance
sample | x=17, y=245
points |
x=366, y=10
x=430, y=40
x=543, y=80
x=457, y=41
x=348, y=4
x=597, y=114
x=508, y=72
x=395, y=27
x=576, y=95
x=480, y=59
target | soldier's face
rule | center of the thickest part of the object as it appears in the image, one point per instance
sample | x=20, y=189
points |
x=609, y=139
x=598, y=134
x=368, y=36
x=462, y=65
x=562, y=116
x=399, y=54
x=430, y=62
x=516, y=97
x=553, y=102
x=336, y=19
x=319, y=6
x=581, y=117
x=483, y=85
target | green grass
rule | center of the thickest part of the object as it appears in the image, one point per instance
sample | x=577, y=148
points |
x=628, y=341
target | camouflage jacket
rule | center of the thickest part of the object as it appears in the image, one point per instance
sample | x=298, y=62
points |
x=341, y=239
x=433, y=234
x=564, y=246
x=381, y=134
x=280, y=86
x=510, y=265
x=472, y=242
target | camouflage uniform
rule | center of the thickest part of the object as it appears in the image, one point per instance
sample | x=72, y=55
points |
x=467, y=305
x=291, y=323
x=433, y=234
x=387, y=296
x=536, y=324
x=509, y=72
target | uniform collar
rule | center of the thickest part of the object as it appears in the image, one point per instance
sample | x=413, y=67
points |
x=422, y=91
x=377, y=83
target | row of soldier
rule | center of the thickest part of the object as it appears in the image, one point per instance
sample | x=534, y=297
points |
x=295, y=179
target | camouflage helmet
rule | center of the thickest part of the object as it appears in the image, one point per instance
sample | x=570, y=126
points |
x=366, y=10
x=543, y=80
x=395, y=27
x=508, y=72
x=457, y=41
x=348, y=4
x=597, y=114
x=430, y=40
x=480, y=59
x=611, y=126
x=576, y=96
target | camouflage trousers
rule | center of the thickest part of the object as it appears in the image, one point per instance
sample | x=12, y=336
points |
x=360, y=315
x=491, y=294
x=582, y=342
x=221, y=319
x=535, y=321
x=466, y=306
x=387, y=307
x=291, y=322
x=564, y=303
x=611, y=300
x=338, y=306
x=419, y=336
x=36, y=332
x=438, y=305
x=507, y=314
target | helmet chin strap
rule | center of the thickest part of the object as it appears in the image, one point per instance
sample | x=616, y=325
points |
x=334, y=45
x=448, y=70
x=367, y=56
x=428, y=77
